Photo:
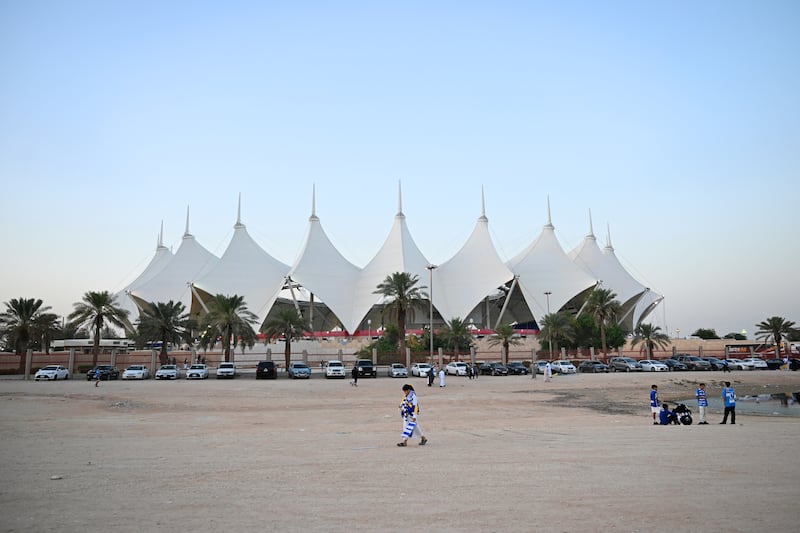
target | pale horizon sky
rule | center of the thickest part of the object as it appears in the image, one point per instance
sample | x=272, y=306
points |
x=676, y=124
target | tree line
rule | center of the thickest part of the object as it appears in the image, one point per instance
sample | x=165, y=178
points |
x=28, y=323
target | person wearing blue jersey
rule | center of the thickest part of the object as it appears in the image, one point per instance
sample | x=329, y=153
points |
x=729, y=396
x=655, y=404
x=702, y=402
x=666, y=417
x=409, y=410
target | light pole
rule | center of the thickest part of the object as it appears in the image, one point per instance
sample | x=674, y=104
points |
x=369, y=331
x=431, y=268
x=549, y=333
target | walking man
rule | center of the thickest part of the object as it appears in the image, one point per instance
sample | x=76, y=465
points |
x=409, y=410
x=702, y=402
x=729, y=396
x=354, y=374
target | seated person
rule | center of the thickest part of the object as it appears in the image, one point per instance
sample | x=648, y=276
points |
x=666, y=416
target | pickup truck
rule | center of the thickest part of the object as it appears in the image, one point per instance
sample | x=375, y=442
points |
x=366, y=368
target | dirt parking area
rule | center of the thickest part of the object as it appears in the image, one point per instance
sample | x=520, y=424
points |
x=505, y=454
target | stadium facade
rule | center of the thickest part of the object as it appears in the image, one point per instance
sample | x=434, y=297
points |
x=334, y=295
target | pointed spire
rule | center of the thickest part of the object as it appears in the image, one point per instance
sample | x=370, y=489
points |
x=186, y=234
x=608, y=238
x=591, y=226
x=160, y=237
x=483, y=205
x=549, y=218
x=313, y=203
x=399, y=200
x=239, y=214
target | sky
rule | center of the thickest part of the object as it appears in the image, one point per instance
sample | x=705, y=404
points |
x=676, y=123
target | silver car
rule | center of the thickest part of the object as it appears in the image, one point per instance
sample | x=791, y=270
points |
x=397, y=370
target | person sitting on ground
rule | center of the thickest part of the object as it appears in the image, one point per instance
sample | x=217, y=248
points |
x=666, y=416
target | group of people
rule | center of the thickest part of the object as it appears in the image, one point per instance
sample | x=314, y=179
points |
x=432, y=373
x=663, y=415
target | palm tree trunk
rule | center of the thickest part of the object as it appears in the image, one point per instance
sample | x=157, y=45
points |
x=287, y=352
x=401, y=325
x=96, y=346
x=23, y=355
x=163, y=356
x=603, y=340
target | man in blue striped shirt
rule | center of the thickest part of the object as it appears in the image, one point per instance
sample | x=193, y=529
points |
x=702, y=402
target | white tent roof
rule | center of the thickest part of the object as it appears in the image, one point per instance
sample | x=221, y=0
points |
x=399, y=253
x=605, y=267
x=247, y=270
x=321, y=269
x=190, y=263
x=475, y=271
x=544, y=267
x=160, y=260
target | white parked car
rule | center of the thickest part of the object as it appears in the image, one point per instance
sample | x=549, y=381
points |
x=421, y=369
x=739, y=364
x=136, y=372
x=398, y=370
x=456, y=369
x=563, y=367
x=197, y=371
x=758, y=364
x=52, y=373
x=649, y=365
x=335, y=369
x=226, y=370
x=168, y=372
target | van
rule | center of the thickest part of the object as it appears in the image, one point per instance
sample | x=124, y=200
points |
x=266, y=370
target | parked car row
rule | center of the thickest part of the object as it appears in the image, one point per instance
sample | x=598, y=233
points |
x=337, y=369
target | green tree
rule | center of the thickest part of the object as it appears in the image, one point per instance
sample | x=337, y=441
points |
x=95, y=311
x=229, y=318
x=400, y=289
x=506, y=336
x=287, y=324
x=47, y=327
x=456, y=335
x=604, y=307
x=18, y=324
x=735, y=336
x=775, y=328
x=706, y=333
x=651, y=337
x=167, y=322
x=557, y=327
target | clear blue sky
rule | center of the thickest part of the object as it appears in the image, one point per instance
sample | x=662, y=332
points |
x=677, y=123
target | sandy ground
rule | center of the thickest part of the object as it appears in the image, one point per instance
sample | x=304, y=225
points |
x=505, y=454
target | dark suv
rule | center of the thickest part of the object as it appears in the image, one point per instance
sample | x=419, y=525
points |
x=266, y=370
x=366, y=368
x=103, y=372
x=693, y=362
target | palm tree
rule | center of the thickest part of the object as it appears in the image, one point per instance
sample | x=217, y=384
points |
x=775, y=328
x=167, y=322
x=651, y=338
x=506, y=336
x=287, y=324
x=399, y=288
x=455, y=333
x=604, y=307
x=18, y=324
x=557, y=326
x=229, y=316
x=46, y=327
x=95, y=311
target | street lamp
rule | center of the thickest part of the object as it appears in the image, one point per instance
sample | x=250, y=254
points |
x=549, y=333
x=369, y=331
x=431, y=268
